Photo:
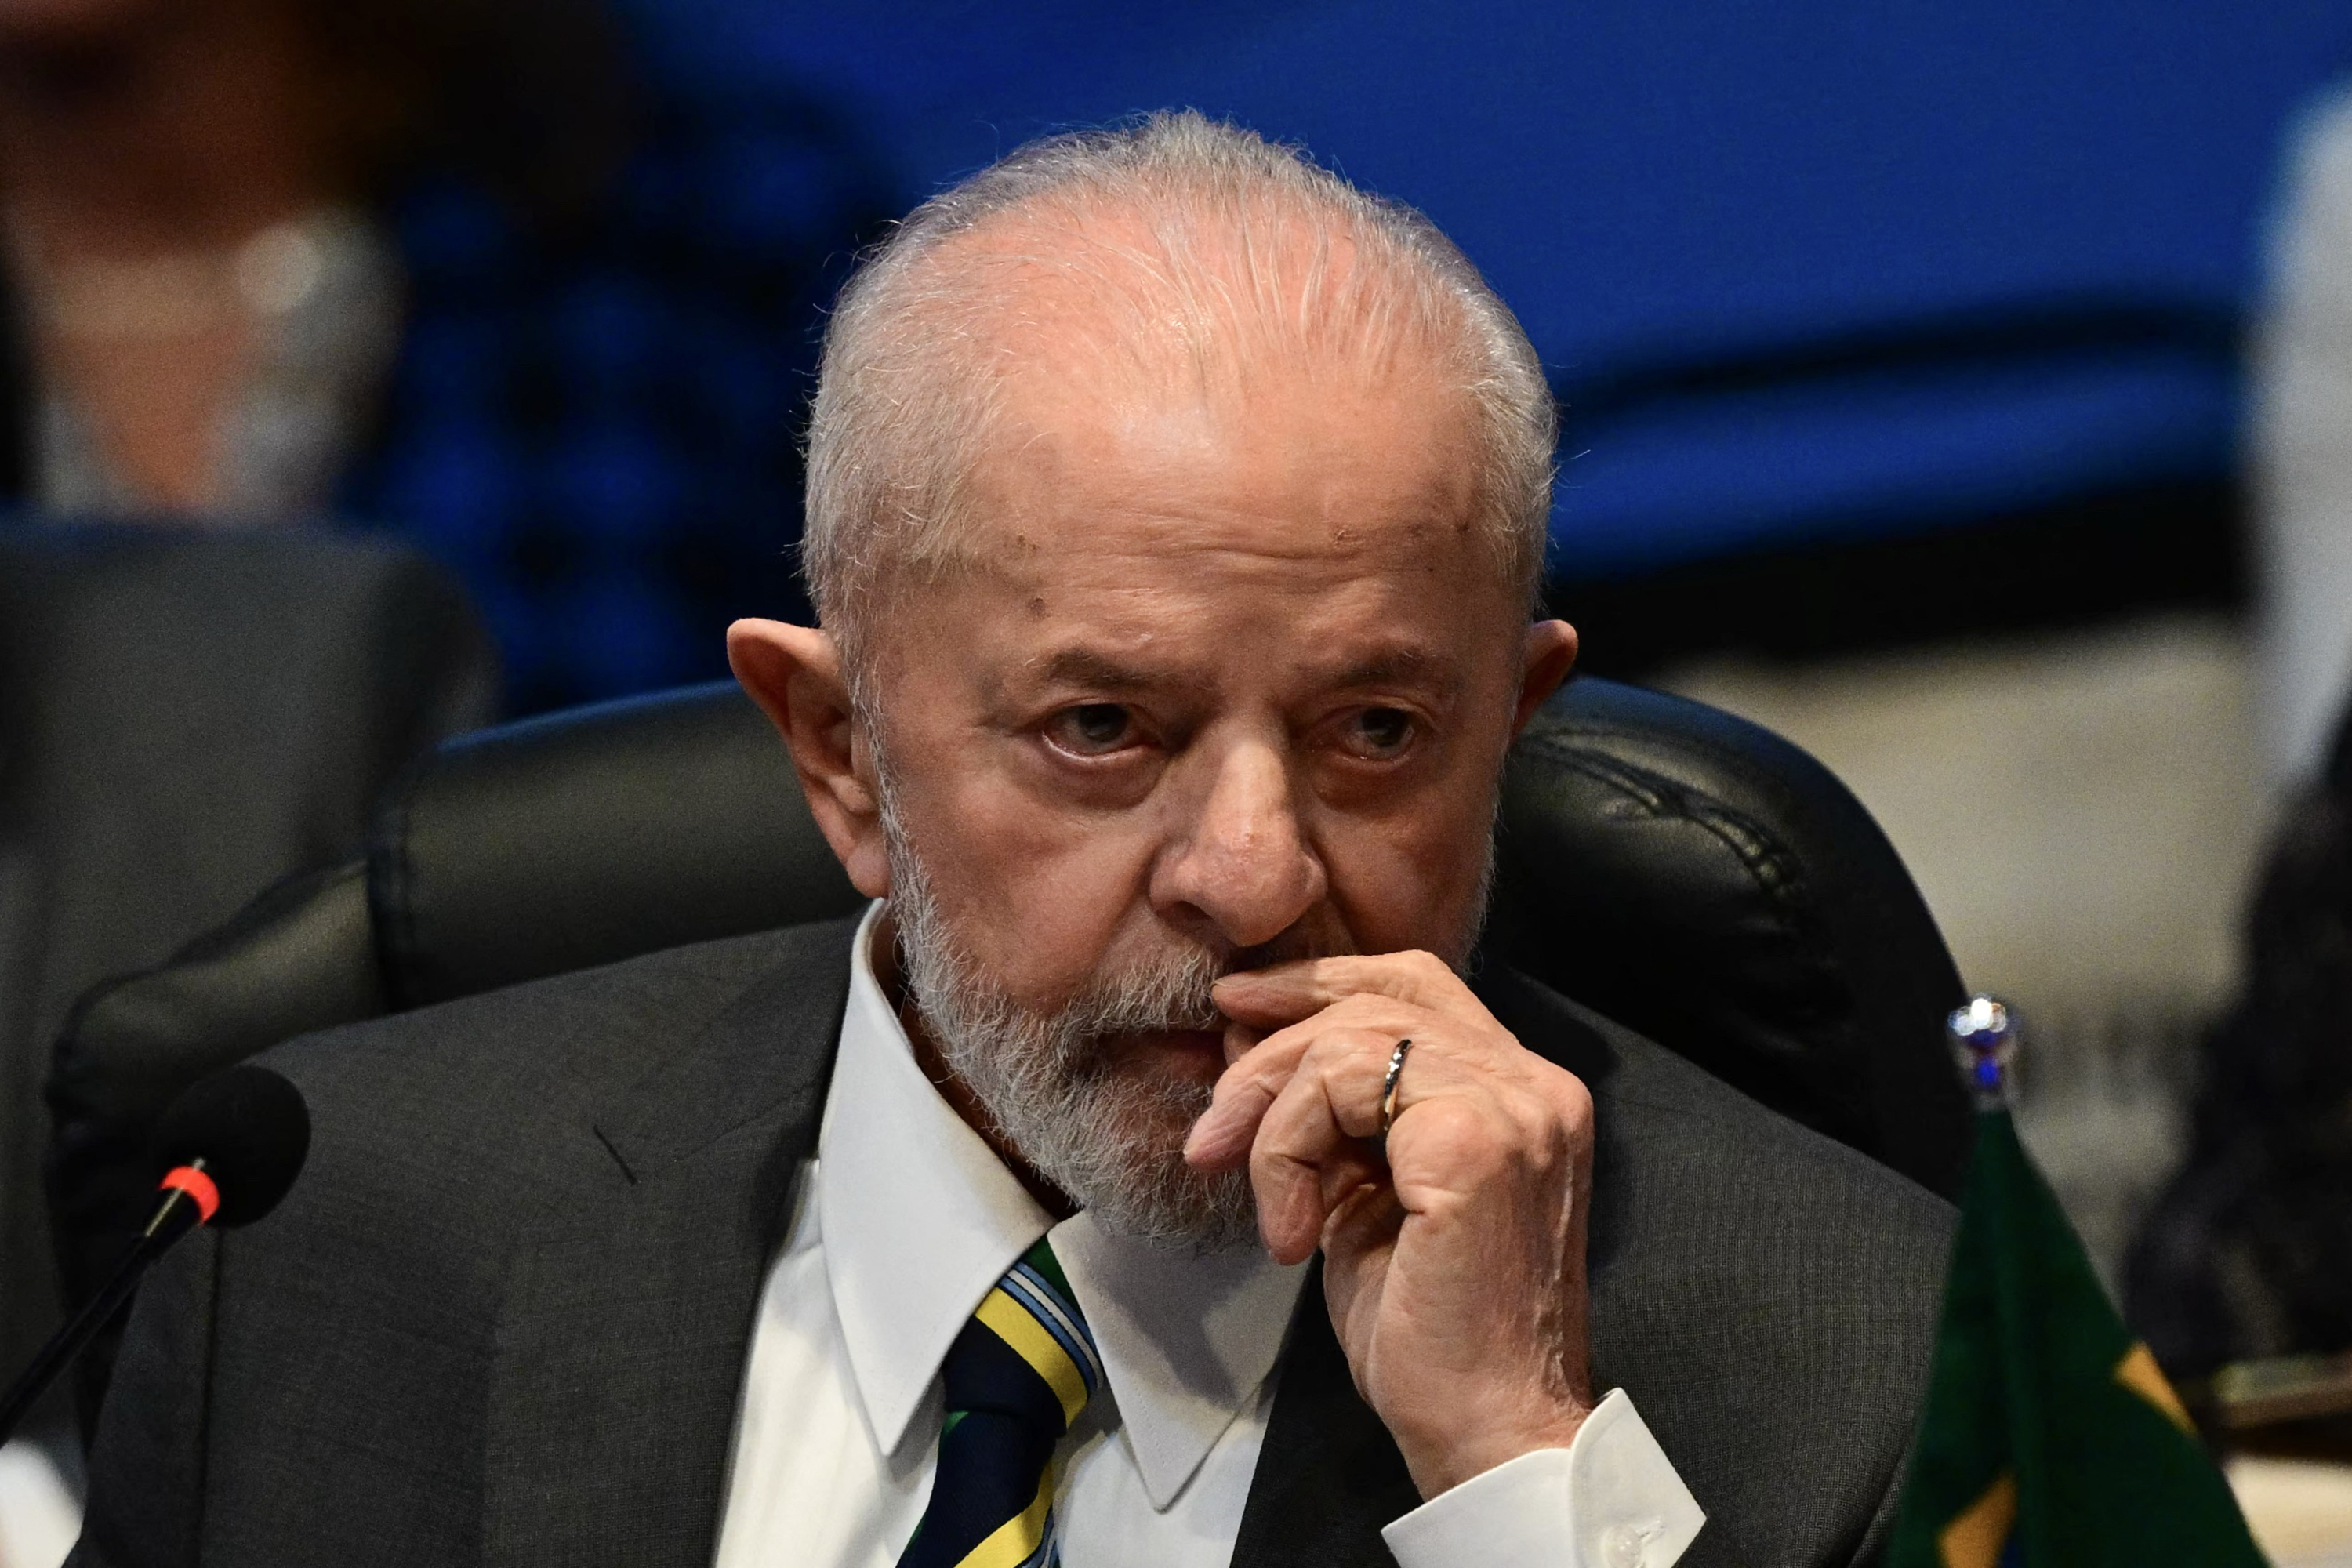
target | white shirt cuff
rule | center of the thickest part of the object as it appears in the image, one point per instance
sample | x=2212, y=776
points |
x=1609, y=1500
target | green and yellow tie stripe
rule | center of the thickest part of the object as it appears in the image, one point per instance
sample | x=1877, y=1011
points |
x=1016, y=1378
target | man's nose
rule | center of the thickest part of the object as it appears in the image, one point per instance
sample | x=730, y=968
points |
x=1243, y=862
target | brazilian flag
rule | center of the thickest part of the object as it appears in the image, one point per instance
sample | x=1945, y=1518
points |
x=2051, y=1440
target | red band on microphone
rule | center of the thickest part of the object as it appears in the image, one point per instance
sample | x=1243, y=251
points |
x=197, y=1186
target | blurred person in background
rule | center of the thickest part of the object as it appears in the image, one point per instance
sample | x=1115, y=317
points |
x=473, y=273
x=2303, y=443
x=2248, y=1254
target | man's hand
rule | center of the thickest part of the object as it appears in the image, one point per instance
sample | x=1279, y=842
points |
x=1454, y=1268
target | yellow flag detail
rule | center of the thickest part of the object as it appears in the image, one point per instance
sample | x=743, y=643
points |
x=1975, y=1539
x=2138, y=1372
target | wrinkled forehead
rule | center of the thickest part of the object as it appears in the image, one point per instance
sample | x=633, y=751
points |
x=1283, y=506
x=1295, y=471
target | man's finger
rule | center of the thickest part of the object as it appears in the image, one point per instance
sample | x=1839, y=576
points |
x=1286, y=993
x=1220, y=1139
x=1312, y=1134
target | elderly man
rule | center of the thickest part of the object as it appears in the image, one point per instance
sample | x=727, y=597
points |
x=1141, y=1180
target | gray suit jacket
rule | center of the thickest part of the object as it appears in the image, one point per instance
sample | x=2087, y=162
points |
x=503, y=1318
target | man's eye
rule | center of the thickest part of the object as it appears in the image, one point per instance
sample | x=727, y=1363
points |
x=1378, y=732
x=1092, y=729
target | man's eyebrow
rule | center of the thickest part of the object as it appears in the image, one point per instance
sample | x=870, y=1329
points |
x=1100, y=671
x=1086, y=667
x=1400, y=665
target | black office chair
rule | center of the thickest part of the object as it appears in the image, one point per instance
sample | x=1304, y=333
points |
x=1694, y=876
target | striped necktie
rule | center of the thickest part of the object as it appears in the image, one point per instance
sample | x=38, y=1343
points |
x=1016, y=1377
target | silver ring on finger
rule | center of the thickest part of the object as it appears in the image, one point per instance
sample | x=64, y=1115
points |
x=1388, y=1086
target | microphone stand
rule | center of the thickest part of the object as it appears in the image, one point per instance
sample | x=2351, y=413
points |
x=174, y=1217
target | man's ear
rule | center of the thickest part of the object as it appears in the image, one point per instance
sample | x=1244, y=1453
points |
x=794, y=674
x=1550, y=655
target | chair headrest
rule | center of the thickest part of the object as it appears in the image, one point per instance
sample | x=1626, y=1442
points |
x=1686, y=872
x=1706, y=883
x=592, y=836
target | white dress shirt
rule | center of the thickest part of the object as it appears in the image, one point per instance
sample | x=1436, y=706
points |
x=902, y=1224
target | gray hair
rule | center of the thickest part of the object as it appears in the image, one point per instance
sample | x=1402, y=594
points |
x=907, y=396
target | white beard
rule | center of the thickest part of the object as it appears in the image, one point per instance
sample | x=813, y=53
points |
x=1111, y=1138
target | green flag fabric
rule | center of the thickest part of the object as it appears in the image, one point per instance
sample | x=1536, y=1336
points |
x=2050, y=1440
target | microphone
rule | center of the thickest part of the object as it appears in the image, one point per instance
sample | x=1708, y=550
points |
x=231, y=1147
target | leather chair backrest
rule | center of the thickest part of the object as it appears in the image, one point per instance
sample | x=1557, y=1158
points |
x=1684, y=871
x=585, y=838
x=1706, y=883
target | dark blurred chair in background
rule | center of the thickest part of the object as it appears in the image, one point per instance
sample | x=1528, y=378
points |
x=184, y=719
x=1697, y=877
x=495, y=278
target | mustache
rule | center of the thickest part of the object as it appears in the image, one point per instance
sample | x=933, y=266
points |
x=1175, y=989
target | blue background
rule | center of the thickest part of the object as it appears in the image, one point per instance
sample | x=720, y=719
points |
x=1652, y=185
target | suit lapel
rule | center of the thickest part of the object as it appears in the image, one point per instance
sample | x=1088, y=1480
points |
x=626, y=1319
x=1328, y=1476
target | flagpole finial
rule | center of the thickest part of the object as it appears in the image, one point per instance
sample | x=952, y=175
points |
x=1984, y=1037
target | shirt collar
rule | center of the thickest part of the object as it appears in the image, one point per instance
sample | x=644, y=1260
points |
x=919, y=1219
